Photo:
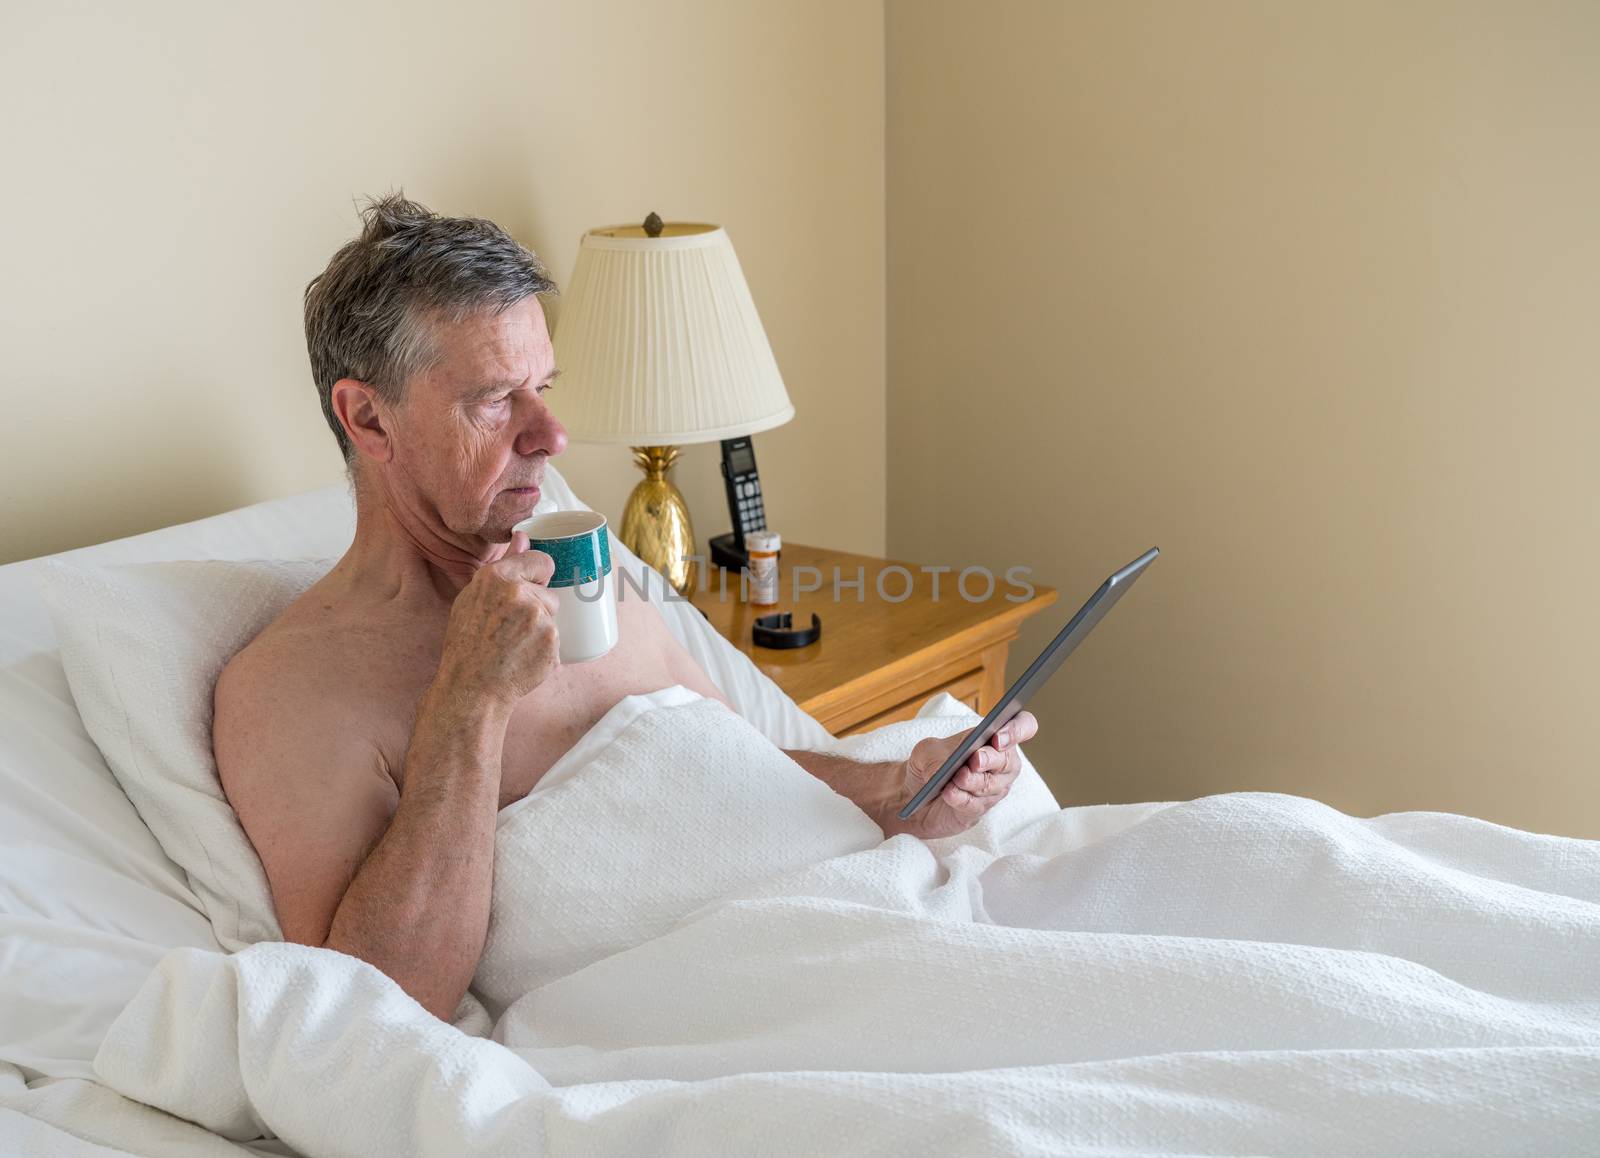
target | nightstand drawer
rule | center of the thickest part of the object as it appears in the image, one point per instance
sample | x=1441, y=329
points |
x=965, y=688
x=875, y=699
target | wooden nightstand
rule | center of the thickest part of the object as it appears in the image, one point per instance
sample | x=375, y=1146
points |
x=877, y=660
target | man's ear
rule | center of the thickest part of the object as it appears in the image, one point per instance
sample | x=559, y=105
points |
x=363, y=416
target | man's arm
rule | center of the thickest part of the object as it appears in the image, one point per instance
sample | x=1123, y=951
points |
x=400, y=879
x=417, y=906
x=871, y=787
x=882, y=789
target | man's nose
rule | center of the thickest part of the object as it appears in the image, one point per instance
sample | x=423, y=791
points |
x=542, y=432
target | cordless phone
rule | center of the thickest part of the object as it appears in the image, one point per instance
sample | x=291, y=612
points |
x=745, y=507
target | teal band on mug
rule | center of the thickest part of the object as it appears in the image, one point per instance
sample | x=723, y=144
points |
x=579, y=559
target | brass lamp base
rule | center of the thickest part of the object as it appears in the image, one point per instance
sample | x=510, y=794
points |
x=655, y=523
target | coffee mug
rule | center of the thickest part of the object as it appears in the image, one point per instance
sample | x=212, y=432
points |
x=586, y=618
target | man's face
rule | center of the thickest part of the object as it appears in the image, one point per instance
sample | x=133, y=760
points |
x=474, y=430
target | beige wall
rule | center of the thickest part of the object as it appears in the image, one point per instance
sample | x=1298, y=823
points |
x=1307, y=296
x=174, y=173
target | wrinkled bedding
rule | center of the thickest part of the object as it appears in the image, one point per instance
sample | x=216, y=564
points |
x=696, y=947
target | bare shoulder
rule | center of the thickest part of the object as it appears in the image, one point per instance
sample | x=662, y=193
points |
x=300, y=768
x=283, y=704
x=298, y=663
x=645, y=621
x=284, y=670
x=641, y=623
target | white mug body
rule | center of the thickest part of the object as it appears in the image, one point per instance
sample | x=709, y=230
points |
x=586, y=612
x=586, y=620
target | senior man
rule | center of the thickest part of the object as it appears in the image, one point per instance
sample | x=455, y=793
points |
x=368, y=737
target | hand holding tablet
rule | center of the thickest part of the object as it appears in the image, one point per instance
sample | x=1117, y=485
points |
x=982, y=780
x=1040, y=670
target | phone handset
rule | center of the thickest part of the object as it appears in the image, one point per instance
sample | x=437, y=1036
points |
x=746, y=509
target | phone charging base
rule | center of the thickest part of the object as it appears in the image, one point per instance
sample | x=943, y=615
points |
x=727, y=553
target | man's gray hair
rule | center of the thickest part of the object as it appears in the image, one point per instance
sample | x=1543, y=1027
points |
x=371, y=314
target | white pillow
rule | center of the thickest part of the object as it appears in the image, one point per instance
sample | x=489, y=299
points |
x=142, y=645
x=89, y=900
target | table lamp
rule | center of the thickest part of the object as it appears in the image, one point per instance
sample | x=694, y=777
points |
x=659, y=345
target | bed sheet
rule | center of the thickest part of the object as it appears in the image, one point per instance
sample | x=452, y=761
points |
x=76, y=1118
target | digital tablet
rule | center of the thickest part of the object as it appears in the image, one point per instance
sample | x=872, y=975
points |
x=1031, y=680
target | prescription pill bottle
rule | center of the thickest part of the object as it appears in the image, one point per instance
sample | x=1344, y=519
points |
x=762, y=549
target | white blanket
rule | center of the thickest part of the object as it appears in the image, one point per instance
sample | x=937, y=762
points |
x=694, y=950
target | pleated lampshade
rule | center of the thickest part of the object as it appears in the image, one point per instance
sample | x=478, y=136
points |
x=659, y=341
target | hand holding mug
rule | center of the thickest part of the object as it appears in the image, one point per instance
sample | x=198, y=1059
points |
x=501, y=638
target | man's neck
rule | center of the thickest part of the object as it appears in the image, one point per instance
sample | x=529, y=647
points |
x=402, y=550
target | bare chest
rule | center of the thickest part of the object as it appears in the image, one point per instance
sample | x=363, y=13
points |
x=544, y=725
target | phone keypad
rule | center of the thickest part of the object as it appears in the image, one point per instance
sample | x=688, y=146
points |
x=751, y=511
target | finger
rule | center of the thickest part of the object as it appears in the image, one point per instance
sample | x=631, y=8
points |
x=531, y=565
x=546, y=597
x=964, y=802
x=1007, y=764
x=1023, y=727
x=987, y=759
x=519, y=542
x=958, y=798
x=1011, y=770
x=1004, y=770
x=980, y=784
x=976, y=775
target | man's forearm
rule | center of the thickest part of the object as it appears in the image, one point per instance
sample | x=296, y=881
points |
x=874, y=788
x=418, y=908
